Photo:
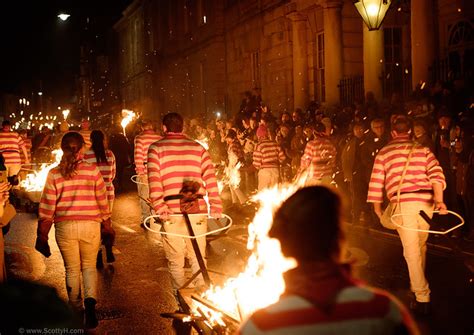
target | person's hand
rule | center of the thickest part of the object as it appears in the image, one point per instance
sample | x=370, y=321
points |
x=441, y=207
x=216, y=215
x=164, y=213
x=42, y=246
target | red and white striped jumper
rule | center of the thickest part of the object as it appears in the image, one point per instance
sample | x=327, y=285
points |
x=423, y=171
x=172, y=160
x=142, y=144
x=107, y=169
x=11, y=144
x=81, y=198
x=267, y=157
x=320, y=157
x=268, y=154
x=28, y=146
x=329, y=304
x=86, y=134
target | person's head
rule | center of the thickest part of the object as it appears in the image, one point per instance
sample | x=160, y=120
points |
x=327, y=124
x=147, y=125
x=262, y=132
x=308, y=225
x=231, y=136
x=378, y=127
x=419, y=129
x=253, y=122
x=297, y=115
x=246, y=122
x=285, y=117
x=64, y=127
x=229, y=124
x=444, y=121
x=71, y=145
x=319, y=129
x=299, y=130
x=358, y=130
x=6, y=126
x=401, y=126
x=85, y=124
x=173, y=123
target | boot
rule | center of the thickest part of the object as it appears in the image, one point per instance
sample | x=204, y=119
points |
x=89, y=313
x=100, y=261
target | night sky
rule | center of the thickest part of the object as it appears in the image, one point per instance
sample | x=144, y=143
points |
x=38, y=49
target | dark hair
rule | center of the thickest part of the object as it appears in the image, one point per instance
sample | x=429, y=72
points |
x=308, y=225
x=319, y=128
x=71, y=144
x=97, y=145
x=173, y=122
x=231, y=134
x=401, y=125
x=6, y=123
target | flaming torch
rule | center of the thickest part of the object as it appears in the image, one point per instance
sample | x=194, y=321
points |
x=127, y=117
x=66, y=113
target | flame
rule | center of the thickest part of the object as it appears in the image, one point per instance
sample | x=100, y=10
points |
x=127, y=117
x=66, y=113
x=261, y=283
x=34, y=182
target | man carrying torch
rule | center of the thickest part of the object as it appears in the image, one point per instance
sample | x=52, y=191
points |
x=177, y=166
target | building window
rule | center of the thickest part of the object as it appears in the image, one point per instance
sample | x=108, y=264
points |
x=255, y=66
x=394, y=69
x=320, y=75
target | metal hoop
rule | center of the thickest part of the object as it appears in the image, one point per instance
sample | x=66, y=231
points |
x=428, y=230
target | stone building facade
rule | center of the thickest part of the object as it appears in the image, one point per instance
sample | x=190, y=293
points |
x=200, y=56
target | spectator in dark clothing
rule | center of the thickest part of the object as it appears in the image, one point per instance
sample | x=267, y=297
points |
x=121, y=149
x=420, y=130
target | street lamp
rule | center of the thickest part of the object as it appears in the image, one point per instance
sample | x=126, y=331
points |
x=63, y=16
x=372, y=11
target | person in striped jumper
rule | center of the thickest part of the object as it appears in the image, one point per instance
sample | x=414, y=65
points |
x=267, y=157
x=319, y=158
x=172, y=162
x=147, y=137
x=421, y=189
x=86, y=133
x=11, y=144
x=74, y=199
x=104, y=159
x=321, y=296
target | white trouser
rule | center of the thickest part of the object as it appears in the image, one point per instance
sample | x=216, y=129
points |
x=13, y=169
x=78, y=243
x=414, y=246
x=236, y=195
x=177, y=248
x=267, y=177
x=143, y=193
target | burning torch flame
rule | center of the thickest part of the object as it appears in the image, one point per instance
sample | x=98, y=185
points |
x=66, y=113
x=34, y=182
x=127, y=117
x=261, y=283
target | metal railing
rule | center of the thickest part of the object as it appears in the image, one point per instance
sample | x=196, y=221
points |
x=351, y=89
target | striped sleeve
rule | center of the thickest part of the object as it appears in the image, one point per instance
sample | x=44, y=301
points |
x=101, y=195
x=139, y=156
x=281, y=154
x=257, y=156
x=210, y=180
x=154, y=180
x=377, y=179
x=307, y=155
x=433, y=170
x=49, y=197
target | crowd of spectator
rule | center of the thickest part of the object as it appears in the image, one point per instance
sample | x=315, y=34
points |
x=441, y=121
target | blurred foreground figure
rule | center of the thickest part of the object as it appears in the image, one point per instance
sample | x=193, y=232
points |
x=321, y=297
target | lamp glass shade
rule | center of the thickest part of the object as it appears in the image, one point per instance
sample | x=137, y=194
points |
x=372, y=11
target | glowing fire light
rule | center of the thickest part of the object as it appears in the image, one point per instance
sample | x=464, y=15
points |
x=261, y=283
x=34, y=182
x=66, y=113
x=204, y=142
x=127, y=116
